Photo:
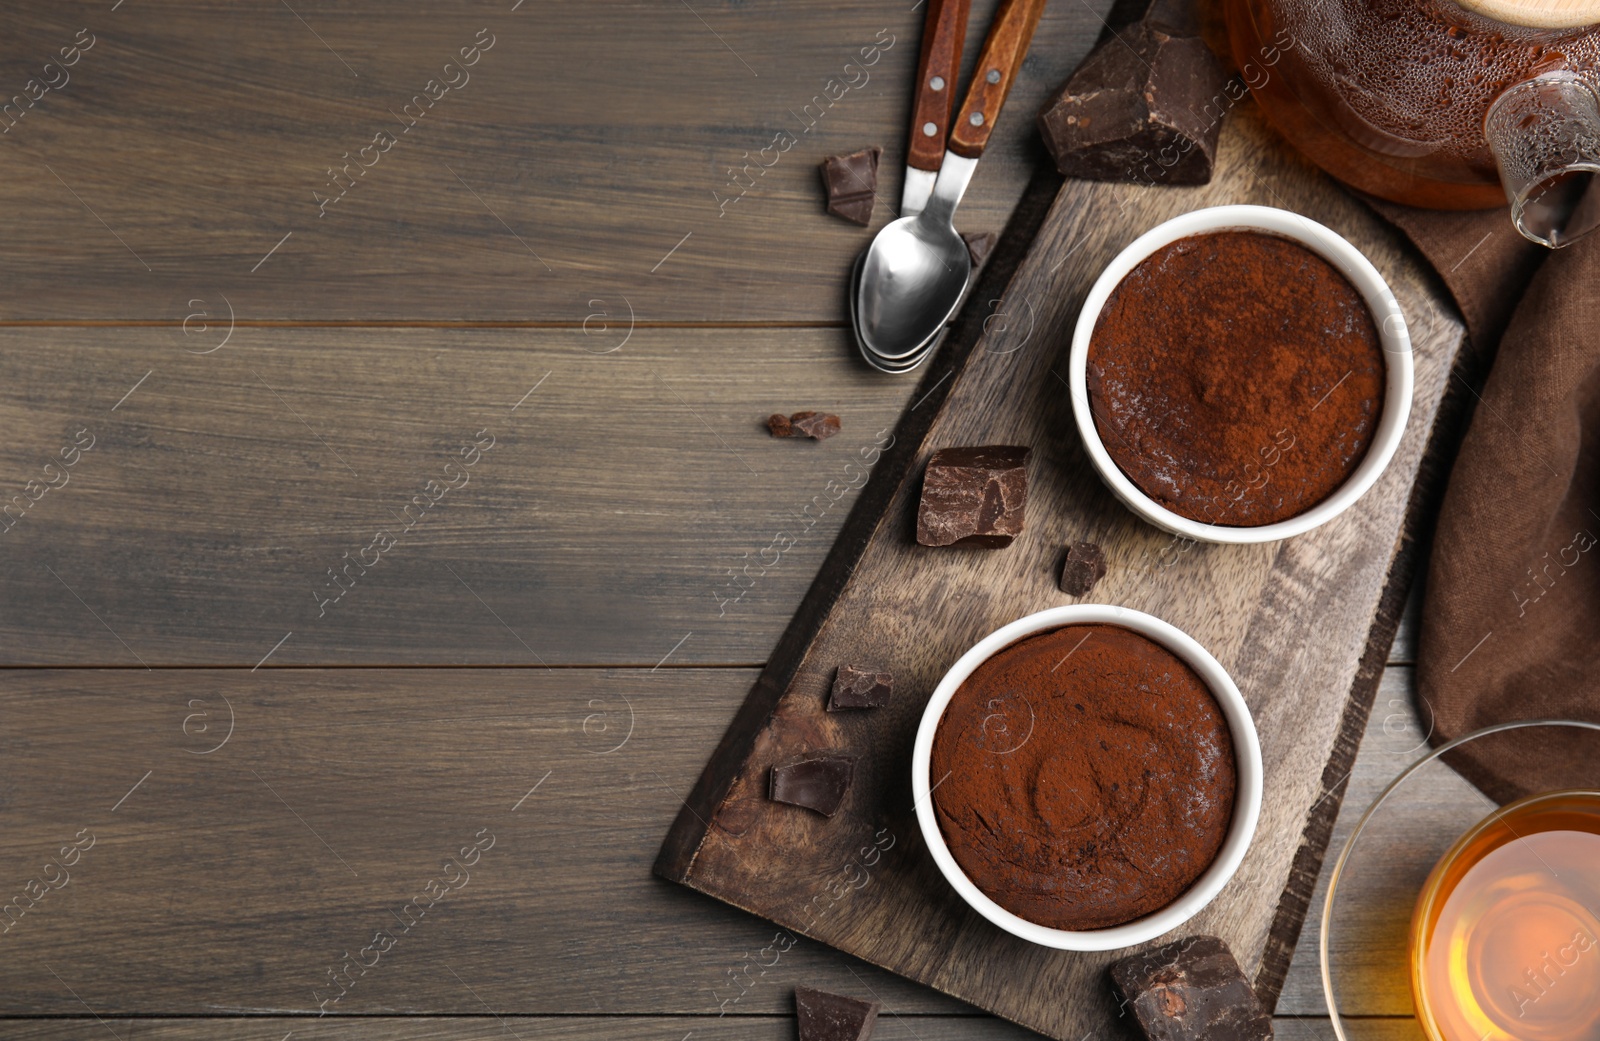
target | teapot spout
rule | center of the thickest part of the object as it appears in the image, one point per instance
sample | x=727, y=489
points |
x=1545, y=136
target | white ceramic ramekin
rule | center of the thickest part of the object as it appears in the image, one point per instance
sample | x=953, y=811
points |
x=1354, y=266
x=1247, y=793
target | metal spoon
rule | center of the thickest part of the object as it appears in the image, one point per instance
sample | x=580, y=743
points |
x=915, y=272
x=944, y=31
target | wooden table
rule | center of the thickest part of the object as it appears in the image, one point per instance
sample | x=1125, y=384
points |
x=423, y=356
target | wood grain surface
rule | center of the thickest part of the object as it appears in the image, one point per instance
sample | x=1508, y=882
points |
x=666, y=152
x=250, y=828
x=914, y=611
x=634, y=497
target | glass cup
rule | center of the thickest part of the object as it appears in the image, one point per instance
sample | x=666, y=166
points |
x=1478, y=914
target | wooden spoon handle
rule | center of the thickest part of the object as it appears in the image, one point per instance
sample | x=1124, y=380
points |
x=944, y=33
x=998, y=65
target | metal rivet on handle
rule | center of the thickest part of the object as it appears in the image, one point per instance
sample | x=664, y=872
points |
x=977, y=119
x=930, y=129
x=937, y=83
x=994, y=76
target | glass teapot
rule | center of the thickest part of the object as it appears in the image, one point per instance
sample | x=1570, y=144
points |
x=1444, y=104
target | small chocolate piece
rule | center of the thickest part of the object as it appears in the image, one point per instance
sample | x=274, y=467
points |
x=1191, y=990
x=855, y=687
x=973, y=496
x=979, y=244
x=1146, y=106
x=1085, y=565
x=852, y=184
x=819, y=426
x=817, y=781
x=833, y=1017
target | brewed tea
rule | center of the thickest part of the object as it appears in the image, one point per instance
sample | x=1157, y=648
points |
x=1506, y=935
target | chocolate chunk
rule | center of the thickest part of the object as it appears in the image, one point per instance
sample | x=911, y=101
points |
x=819, y=426
x=1085, y=565
x=979, y=243
x=1191, y=990
x=1146, y=106
x=973, y=496
x=833, y=1017
x=852, y=184
x=855, y=687
x=817, y=781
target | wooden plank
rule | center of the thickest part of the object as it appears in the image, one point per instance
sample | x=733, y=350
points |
x=633, y=498
x=484, y=1027
x=915, y=611
x=1365, y=949
x=594, y=150
x=231, y=881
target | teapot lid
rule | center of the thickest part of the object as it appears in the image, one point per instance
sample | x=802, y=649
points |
x=1537, y=14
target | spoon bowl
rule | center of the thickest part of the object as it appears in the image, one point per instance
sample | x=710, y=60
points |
x=884, y=365
x=912, y=279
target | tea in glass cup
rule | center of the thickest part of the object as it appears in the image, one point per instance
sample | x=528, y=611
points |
x=1505, y=939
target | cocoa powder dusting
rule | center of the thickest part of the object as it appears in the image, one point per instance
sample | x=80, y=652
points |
x=1236, y=378
x=1088, y=777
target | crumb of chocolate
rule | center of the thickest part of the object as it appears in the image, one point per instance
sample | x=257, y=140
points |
x=819, y=426
x=814, y=780
x=979, y=244
x=852, y=183
x=1084, y=566
x=858, y=687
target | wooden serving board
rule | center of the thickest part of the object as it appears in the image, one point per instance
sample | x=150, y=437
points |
x=1297, y=623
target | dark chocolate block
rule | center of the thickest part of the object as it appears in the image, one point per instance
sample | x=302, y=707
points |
x=973, y=496
x=1191, y=990
x=819, y=426
x=979, y=245
x=1146, y=106
x=852, y=184
x=1085, y=565
x=833, y=1017
x=816, y=781
x=855, y=687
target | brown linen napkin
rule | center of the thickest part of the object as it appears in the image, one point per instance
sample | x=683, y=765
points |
x=1483, y=260
x=1511, y=611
